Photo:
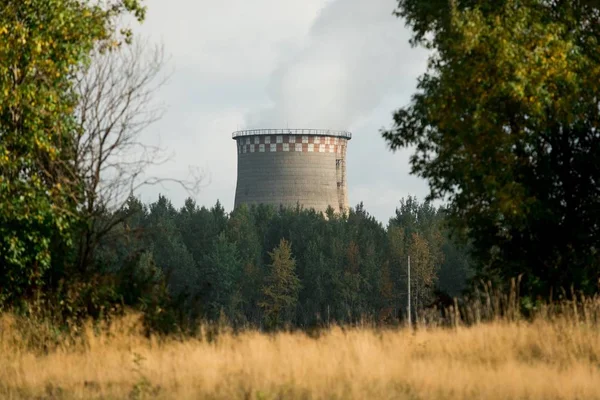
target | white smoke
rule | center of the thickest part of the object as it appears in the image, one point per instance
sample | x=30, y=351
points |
x=356, y=54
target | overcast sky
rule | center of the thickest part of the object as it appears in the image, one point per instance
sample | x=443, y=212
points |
x=334, y=64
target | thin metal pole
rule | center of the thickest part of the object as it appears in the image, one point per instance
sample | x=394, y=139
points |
x=409, y=316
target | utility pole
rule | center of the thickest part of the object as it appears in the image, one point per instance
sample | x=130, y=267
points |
x=409, y=317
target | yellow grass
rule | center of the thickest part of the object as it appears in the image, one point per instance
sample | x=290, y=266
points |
x=502, y=360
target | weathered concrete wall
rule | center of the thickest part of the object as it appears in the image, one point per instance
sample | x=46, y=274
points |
x=285, y=172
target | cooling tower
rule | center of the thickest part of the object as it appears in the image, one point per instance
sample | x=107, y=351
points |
x=283, y=167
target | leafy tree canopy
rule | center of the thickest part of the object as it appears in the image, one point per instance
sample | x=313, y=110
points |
x=505, y=128
x=42, y=45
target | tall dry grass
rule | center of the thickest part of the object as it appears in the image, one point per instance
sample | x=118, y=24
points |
x=556, y=356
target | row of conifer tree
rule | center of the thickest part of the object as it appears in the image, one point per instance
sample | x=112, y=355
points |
x=268, y=267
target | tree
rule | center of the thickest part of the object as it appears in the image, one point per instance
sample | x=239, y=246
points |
x=423, y=271
x=115, y=104
x=241, y=229
x=281, y=286
x=505, y=129
x=314, y=289
x=456, y=270
x=397, y=264
x=386, y=287
x=169, y=251
x=42, y=44
x=222, y=270
x=351, y=282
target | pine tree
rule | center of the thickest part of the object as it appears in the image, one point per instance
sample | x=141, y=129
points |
x=281, y=287
x=222, y=270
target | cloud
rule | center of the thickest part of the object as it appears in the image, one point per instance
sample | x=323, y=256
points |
x=355, y=55
x=228, y=39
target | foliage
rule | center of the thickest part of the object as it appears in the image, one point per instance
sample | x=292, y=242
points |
x=222, y=272
x=281, y=286
x=42, y=45
x=240, y=266
x=505, y=128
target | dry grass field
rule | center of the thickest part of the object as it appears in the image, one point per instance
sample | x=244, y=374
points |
x=545, y=359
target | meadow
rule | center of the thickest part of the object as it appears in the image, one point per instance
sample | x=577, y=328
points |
x=548, y=357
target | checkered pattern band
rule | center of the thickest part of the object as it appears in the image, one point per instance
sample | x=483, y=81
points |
x=291, y=143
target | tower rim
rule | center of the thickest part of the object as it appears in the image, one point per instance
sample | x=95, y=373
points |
x=298, y=132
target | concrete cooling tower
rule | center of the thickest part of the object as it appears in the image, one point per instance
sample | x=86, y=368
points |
x=286, y=167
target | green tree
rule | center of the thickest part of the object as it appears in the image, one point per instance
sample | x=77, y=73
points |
x=222, y=269
x=314, y=293
x=42, y=45
x=397, y=265
x=505, y=126
x=423, y=271
x=351, y=282
x=241, y=230
x=169, y=250
x=456, y=270
x=281, y=287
